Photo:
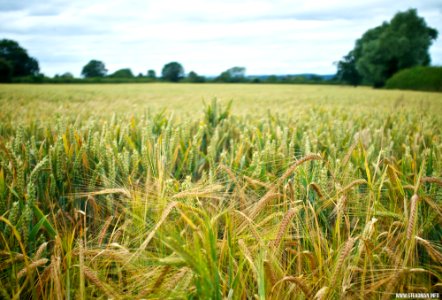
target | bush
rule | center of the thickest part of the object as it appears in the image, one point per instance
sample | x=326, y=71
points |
x=417, y=78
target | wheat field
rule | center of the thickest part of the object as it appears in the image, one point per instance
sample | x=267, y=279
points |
x=180, y=191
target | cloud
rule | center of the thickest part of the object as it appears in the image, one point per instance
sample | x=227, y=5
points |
x=34, y=7
x=278, y=36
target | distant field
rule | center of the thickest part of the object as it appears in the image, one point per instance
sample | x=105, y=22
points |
x=42, y=101
x=145, y=192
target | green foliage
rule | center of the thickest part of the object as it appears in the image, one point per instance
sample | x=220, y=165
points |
x=5, y=70
x=193, y=77
x=94, y=68
x=347, y=71
x=417, y=78
x=235, y=74
x=172, y=72
x=19, y=60
x=122, y=73
x=384, y=50
x=67, y=75
x=151, y=74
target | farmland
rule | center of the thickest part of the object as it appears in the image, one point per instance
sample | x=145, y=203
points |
x=219, y=192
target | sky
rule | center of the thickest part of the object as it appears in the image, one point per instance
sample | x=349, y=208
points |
x=208, y=37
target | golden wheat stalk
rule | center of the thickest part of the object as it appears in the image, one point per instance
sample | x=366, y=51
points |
x=269, y=272
x=55, y=275
x=255, y=182
x=284, y=223
x=352, y=184
x=251, y=225
x=247, y=255
x=432, y=251
x=232, y=177
x=412, y=216
x=435, y=180
x=104, y=230
x=344, y=254
x=122, y=191
x=32, y=266
x=322, y=293
x=300, y=282
x=262, y=203
x=81, y=264
x=317, y=189
x=163, y=218
x=297, y=164
x=93, y=278
x=40, y=251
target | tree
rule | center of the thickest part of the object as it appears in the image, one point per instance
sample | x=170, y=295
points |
x=67, y=75
x=151, y=74
x=384, y=50
x=235, y=74
x=347, y=70
x=195, y=78
x=5, y=70
x=20, y=62
x=272, y=79
x=94, y=68
x=122, y=73
x=173, y=72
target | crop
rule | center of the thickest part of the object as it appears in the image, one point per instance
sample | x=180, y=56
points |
x=322, y=202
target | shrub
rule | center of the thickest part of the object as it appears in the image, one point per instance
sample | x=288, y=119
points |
x=418, y=78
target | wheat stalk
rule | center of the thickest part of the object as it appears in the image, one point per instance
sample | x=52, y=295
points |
x=284, y=223
x=269, y=272
x=322, y=293
x=163, y=217
x=412, y=216
x=352, y=184
x=93, y=277
x=297, y=164
x=32, y=266
x=40, y=251
x=434, y=254
x=55, y=274
x=344, y=253
x=104, y=230
x=435, y=180
x=317, y=189
x=299, y=282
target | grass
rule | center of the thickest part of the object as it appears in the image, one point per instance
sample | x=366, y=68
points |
x=292, y=192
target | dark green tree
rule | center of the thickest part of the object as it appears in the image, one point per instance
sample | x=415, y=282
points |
x=94, y=68
x=272, y=79
x=235, y=74
x=5, y=70
x=67, y=75
x=19, y=60
x=195, y=78
x=173, y=72
x=122, y=73
x=347, y=70
x=151, y=74
x=384, y=50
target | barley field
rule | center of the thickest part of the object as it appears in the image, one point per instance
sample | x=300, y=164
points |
x=178, y=191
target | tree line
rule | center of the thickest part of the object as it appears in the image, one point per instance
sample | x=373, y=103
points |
x=380, y=53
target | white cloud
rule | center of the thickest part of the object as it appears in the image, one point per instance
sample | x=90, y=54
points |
x=208, y=37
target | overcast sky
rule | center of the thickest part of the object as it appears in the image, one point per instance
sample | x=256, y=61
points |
x=265, y=36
